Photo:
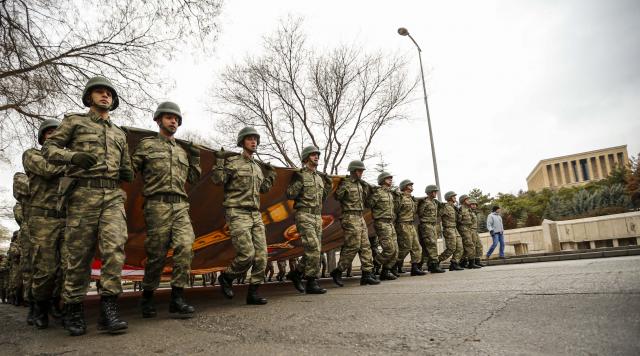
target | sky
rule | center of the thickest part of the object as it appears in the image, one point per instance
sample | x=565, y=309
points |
x=509, y=82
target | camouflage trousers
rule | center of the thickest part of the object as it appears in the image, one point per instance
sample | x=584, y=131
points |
x=15, y=279
x=248, y=238
x=95, y=218
x=453, y=245
x=47, y=237
x=168, y=227
x=388, y=241
x=429, y=242
x=408, y=242
x=468, y=244
x=356, y=241
x=309, y=227
x=25, y=261
x=477, y=243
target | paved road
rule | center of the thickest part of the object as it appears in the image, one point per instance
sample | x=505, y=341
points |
x=565, y=307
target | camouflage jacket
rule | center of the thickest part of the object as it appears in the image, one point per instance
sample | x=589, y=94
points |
x=474, y=220
x=4, y=263
x=449, y=215
x=465, y=219
x=43, y=179
x=165, y=166
x=308, y=188
x=18, y=213
x=405, y=207
x=21, y=187
x=428, y=211
x=90, y=134
x=243, y=181
x=381, y=203
x=352, y=193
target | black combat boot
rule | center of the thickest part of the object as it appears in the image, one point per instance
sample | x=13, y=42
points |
x=434, y=267
x=179, y=305
x=226, y=283
x=416, y=271
x=386, y=275
x=463, y=263
x=478, y=263
x=74, y=319
x=376, y=268
x=109, y=317
x=472, y=265
x=368, y=279
x=253, y=297
x=399, y=268
x=30, y=314
x=55, y=310
x=336, y=274
x=41, y=314
x=3, y=295
x=313, y=287
x=147, y=306
x=296, y=277
x=454, y=266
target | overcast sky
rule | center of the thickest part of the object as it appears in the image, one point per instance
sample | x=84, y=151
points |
x=509, y=82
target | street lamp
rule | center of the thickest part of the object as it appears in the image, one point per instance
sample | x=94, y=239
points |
x=404, y=32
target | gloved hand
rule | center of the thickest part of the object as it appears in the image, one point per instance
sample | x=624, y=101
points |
x=193, y=150
x=220, y=154
x=268, y=166
x=84, y=160
x=126, y=175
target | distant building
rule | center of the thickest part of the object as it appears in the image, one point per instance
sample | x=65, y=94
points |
x=576, y=169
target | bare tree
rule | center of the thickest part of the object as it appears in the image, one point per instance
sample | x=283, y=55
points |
x=337, y=100
x=50, y=48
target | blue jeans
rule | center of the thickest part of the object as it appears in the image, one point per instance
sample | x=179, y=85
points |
x=497, y=237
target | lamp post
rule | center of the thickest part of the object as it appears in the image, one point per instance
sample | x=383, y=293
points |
x=404, y=32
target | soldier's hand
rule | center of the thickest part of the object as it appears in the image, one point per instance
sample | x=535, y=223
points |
x=194, y=151
x=126, y=175
x=220, y=154
x=268, y=166
x=84, y=160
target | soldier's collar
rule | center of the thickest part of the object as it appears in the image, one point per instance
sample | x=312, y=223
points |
x=97, y=118
x=166, y=139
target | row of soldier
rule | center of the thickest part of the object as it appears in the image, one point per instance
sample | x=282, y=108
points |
x=73, y=203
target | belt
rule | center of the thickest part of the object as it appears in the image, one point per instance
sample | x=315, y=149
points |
x=384, y=220
x=167, y=198
x=47, y=213
x=314, y=211
x=352, y=212
x=98, y=183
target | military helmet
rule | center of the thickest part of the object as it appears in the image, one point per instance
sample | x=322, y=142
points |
x=462, y=198
x=44, y=126
x=449, y=194
x=247, y=131
x=431, y=188
x=473, y=201
x=382, y=176
x=307, y=151
x=405, y=183
x=100, y=82
x=355, y=165
x=168, y=107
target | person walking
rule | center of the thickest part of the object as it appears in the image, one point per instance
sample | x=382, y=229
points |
x=496, y=229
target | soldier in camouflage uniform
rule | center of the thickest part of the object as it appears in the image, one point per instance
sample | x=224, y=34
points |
x=428, y=216
x=96, y=154
x=4, y=278
x=465, y=228
x=244, y=179
x=308, y=189
x=352, y=194
x=453, y=243
x=406, y=230
x=381, y=202
x=21, y=193
x=473, y=204
x=46, y=226
x=165, y=167
x=15, y=275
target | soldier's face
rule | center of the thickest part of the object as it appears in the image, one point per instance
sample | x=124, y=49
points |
x=388, y=181
x=358, y=172
x=251, y=143
x=409, y=188
x=473, y=206
x=48, y=133
x=169, y=123
x=313, y=159
x=102, y=98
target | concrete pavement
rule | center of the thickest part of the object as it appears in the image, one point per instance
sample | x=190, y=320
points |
x=587, y=306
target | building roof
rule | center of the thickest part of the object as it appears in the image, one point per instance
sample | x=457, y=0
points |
x=542, y=162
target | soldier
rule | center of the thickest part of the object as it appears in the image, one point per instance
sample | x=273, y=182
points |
x=474, y=231
x=15, y=275
x=4, y=278
x=381, y=203
x=95, y=152
x=406, y=230
x=21, y=193
x=452, y=240
x=465, y=227
x=308, y=189
x=46, y=226
x=244, y=179
x=165, y=167
x=428, y=215
x=352, y=194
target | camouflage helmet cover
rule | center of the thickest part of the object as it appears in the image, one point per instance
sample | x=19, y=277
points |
x=44, y=126
x=355, y=165
x=448, y=195
x=405, y=183
x=247, y=131
x=307, y=151
x=168, y=107
x=462, y=198
x=431, y=188
x=382, y=176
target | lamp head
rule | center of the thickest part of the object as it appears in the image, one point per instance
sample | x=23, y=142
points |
x=403, y=31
